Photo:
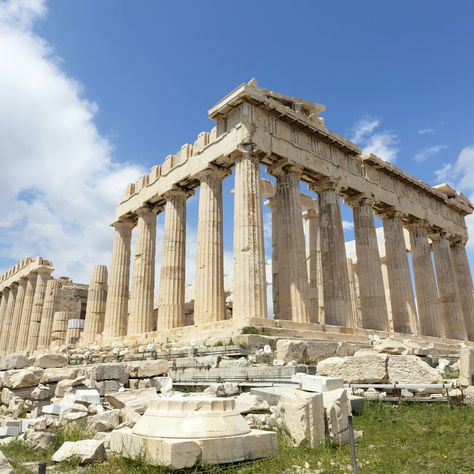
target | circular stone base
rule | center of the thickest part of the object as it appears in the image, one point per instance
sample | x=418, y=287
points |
x=191, y=418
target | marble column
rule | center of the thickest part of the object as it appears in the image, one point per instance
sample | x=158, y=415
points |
x=356, y=321
x=294, y=304
x=16, y=320
x=7, y=320
x=369, y=270
x=141, y=317
x=96, y=303
x=250, y=288
x=59, y=329
x=464, y=278
x=453, y=318
x=209, y=296
x=173, y=262
x=44, y=274
x=311, y=218
x=116, y=312
x=3, y=304
x=401, y=291
x=336, y=290
x=427, y=299
x=272, y=204
x=51, y=305
x=26, y=312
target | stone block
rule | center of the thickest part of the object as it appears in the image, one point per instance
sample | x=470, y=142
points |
x=147, y=368
x=317, y=383
x=87, y=395
x=138, y=400
x=226, y=389
x=5, y=466
x=302, y=415
x=411, y=369
x=289, y=350
x=105, y=387
x=107, y=371
x=272, y=395
x=39, y=440
x=466, y=366
x=51, y=361
x=6, y=431
x=68, y=386
x=14, y=362
x=337, y=408
x=53, y=375
x=248, y=403
x=319, y=350
x=87, y=450
x=22, y=378
x=367, y=368
x=106, y=421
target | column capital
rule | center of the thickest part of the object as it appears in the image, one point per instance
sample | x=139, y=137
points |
x=271, y=202
x=458, y=240
x=325, y=184
x=244, y=154
x=177, y=191
x=390, y=213
x=213, y=170
x=437, y=234
x=45, y=270
x=148, y=209
x=310, y=213
x=415, y=223
x=123, y=223
x=284, y=167
x=360, y=199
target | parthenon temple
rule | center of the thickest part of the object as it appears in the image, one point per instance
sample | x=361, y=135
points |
x=410, y=277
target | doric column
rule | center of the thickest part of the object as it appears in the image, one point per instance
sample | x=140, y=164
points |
x=141, y=318
x=16, y=319
x=464, y=278
x=369, y=270
x=51, y=305
x=96, y=303
x=59, y=329
x=116, y=312
x=427, y=300
x=3, y=304
x=386, y=286
x=26, y=312
x=356, y=321
x=272, y=204
x=44, y=274
x=337, y=295
x=401, y=291
x=209, y=297
x=250, y=288
x=173, y=265
x=7, y=320
x=454, y=326
x=294, y=304
x=311, y=217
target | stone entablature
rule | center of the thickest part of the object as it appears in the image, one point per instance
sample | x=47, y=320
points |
x=23, y=269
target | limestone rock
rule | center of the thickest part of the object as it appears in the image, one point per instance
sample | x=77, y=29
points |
x=290, y=349
x=319, y=350
x=466, y=366
x=68, y=386
x=337, y=407
x=51, y=361
x=104, y=437
x=248, y=403
x=393, y=347
x=53, y=375
x=107, y=371
x=87, y=450
x=229, y=363
x=411, y=369
x=370, y=368
x=302, y=417
x=22, y=378
x=317, y=383
x=5, y=466
x=39, y=440
x=14, y=362
x=41, y=392
x=106, y=421
x=138, y=400
x=147, y=368
x=226, y=389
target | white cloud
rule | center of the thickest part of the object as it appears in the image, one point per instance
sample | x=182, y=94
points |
x=443, y=174
x=425, y=131
x=59, y=183
x=348, y=225
x=380, y=143
x=428, y=152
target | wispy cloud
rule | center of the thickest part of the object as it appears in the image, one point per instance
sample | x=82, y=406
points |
x=428, y=152
x=425, y=131
x=381, y=143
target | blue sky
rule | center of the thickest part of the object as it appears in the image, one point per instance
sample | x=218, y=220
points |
x=124, y=83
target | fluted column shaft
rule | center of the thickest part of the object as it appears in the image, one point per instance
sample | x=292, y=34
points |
x=427, y=299
x=44, y=275
x=369, y=270
x=209, y=298
x=96, y=304
x=464, y=278
x=141, y=318
x=399, y=277
x=116, y=312
x=173, y=262
x=26, y=312
x=16, y=319
x=336, y=290
x=311, y=217
x=454, y=326
x=294, y=304
x=3, y=305
x=7, y=320
x=250, y=288
x=51, y=305
x=272, y=203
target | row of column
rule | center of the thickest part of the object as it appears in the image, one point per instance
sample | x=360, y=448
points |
x=445, y=301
